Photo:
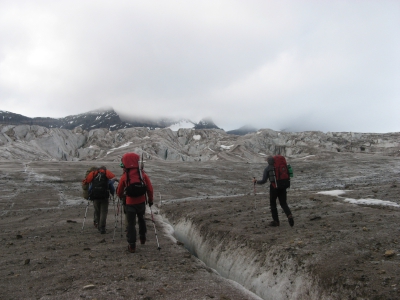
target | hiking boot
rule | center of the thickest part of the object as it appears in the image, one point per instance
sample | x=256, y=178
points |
x=291, y=221
x=95, y=225
x=142, y=240
x=131, y=249
x=274, y=223
x=102, y=230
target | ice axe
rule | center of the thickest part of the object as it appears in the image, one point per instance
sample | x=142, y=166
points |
x=115, y=217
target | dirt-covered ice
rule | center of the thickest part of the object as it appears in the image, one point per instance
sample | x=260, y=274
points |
x=336, y=250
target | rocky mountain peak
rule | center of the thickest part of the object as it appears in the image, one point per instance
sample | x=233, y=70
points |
x=206, y=123
x=103, y=118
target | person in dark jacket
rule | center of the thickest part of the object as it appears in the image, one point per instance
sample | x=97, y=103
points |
x=95, y=213
x=100, y=203
x=134, y=206
x=274, y=193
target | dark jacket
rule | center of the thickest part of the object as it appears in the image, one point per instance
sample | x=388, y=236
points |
x=268, y=172
x=110, y=187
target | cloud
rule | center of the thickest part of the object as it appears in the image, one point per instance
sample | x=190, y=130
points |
x=298, y=65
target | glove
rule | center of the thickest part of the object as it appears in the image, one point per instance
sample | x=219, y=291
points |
x=150, y=204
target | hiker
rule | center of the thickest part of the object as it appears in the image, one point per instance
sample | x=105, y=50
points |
x=100, y=181
x=135, y=186
x=87, y=188
x=275, y=192
x=111, y=188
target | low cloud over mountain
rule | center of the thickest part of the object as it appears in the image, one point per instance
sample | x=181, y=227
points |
x=102, y=118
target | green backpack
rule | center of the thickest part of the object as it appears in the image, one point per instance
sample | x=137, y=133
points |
x=85, y=187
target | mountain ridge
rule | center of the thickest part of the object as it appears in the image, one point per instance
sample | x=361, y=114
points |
x=100, y=118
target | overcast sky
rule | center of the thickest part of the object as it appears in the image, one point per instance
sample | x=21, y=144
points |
x=326, y=65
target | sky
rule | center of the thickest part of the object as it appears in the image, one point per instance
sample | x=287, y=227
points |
x=291, y=65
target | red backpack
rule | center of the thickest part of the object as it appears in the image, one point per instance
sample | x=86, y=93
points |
x=282, y=177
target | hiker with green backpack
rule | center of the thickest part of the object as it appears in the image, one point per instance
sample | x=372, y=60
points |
x=278, y=172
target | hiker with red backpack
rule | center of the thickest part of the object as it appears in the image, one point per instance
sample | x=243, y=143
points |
x=277, y=172
x=136, y=187
x=100, y=193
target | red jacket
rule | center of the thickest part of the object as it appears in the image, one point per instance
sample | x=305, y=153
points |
x=93, y=174
x=131, y=164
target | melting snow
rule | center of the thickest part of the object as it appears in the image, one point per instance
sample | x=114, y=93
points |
x=197, y=137
x=306, y=156
x=226, y=147
x=332, y=193
x=367, y=201
x=122, y=146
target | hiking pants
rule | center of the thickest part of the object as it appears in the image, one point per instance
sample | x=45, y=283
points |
x=95, y=219
x=281, y=195
x=123, y=199
x=131, y=212
x=125, y=217
x=101, y=211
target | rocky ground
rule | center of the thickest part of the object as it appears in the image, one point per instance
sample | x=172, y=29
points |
x=336, y=249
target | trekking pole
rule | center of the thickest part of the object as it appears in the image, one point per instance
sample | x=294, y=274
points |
x=87, y=206
x=155, y=230
x=121, y=206
x=115, y=219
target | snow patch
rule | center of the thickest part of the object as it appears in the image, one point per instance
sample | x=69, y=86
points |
x=306, y=156
x=197, y=137
x=122, y=146
x=367, y=201
x=226, y=147
x=333, y=193
x=182, y=124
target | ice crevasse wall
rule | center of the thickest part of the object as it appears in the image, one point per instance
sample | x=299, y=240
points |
x=270, y=273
